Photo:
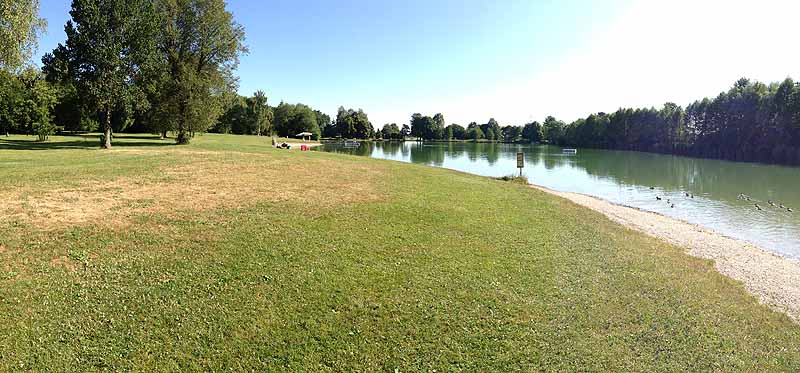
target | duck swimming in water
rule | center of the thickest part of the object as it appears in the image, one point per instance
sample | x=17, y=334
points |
x=771, y=203
x=658, y=198
x=758, y=207
x=672, y=206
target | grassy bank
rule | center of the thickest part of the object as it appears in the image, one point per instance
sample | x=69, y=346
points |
x=228, y=254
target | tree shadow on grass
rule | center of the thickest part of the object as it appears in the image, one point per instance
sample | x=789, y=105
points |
x=83, y=142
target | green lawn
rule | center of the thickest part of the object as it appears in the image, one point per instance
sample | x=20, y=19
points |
x=227, y=254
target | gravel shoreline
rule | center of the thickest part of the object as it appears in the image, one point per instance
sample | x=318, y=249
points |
x=774, y=279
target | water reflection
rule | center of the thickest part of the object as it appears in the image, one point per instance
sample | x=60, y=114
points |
x=627, y=178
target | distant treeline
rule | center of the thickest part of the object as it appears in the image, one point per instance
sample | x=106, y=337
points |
x=750, y=122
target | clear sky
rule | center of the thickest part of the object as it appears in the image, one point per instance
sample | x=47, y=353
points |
x=514, y=60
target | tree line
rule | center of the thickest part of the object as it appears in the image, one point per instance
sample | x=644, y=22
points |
x=156, y=65
x=167, y=66
x=752, y=121
x=434, y=128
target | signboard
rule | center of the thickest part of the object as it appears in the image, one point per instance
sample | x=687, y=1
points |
x=520, y=160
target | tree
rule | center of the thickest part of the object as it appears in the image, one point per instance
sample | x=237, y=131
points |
x=405, y=131
x=325, y=124
x=511, y=134
x=474, y=131
x=492, y=130
x=417, y=125
x=353, y=124
x=108, y=43
x=200, y=44
x=26, y=104
x=291, y=119
x=391, y=131
x=532, y=132
x=364, y=129
x=20, y=27
x=437, y=127
x=259, y=111
x=553, y=130
x=455, y=131
x=345, y=123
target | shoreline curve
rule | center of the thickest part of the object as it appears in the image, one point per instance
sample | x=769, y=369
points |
x=773, y=279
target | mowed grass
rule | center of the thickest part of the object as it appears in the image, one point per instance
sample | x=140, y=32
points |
x=230, y=255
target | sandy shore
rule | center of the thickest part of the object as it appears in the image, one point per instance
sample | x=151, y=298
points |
x=775, y=280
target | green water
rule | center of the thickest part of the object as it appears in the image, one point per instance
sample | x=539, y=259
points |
x=627, y=177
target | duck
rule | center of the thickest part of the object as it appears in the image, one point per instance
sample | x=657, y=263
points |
x=687, y=194
x=790, y=210
x=771, y=203
x=658, y=198
x=758, y=207
x=692, y=195
x=652, y=188
x=672, y=206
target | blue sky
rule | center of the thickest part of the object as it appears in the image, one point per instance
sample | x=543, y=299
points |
x=515, y=60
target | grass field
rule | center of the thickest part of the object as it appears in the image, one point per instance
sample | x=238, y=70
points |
x=228, y=254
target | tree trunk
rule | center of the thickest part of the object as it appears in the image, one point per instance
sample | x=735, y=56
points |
x=163, y=134
x=107, y=130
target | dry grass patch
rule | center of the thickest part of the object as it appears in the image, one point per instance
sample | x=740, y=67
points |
x=204, y=181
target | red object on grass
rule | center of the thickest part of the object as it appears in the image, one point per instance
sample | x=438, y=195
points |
x=303, y=147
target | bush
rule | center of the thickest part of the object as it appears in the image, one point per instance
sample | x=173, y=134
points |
x=515, y=179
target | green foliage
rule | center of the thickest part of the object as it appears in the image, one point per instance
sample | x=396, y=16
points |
x=326, y=126
x=428, y=128
x=532, y=132
x=20, y=27
x=456, y=132
x=391, y=132
x=750, y=122
x=200, y=44
x=553, y=130
x=246, y=116
x=511, y=134
x=351, y=124
x=491, y=130
x=292, y=119
x=107, y=44
x=474, y=132
x=26, y=104
x=515, y=179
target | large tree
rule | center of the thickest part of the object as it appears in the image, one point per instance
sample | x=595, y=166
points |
x=259, y=110
x=200, y=45
x=532, y=132
x=353, y=124
x=20, y=27
x=108, y=44
x=292, y=119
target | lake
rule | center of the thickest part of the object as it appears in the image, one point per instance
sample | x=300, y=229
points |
x=627, y=177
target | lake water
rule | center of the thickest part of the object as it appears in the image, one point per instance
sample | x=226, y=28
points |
x=626, y=178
